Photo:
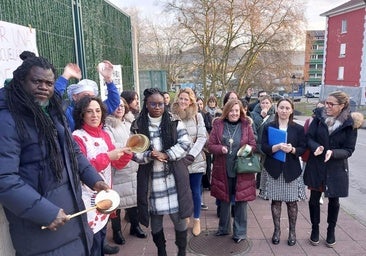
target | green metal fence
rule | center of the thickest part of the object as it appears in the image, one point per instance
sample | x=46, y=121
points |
x=105, y=33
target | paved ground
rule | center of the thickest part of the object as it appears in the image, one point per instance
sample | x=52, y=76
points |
x=350, y=234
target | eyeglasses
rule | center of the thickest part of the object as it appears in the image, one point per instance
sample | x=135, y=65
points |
x=156, y=104
x=331, y=104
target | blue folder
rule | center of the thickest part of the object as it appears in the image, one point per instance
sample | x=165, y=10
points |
x=276, y=136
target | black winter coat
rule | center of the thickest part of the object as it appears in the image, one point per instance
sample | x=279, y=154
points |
x=332, y=176
x=291, y=169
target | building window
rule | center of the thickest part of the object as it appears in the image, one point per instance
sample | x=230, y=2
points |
x=340, y=73
x=344, y=26
x=342, y=51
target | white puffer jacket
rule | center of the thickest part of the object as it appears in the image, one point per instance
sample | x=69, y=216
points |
x=196, y=129
x=125, y=180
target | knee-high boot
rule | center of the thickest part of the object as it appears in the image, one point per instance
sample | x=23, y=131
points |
x=314, y=209
x=116, y=228
x=333, y=210
x=292, y=217
x=276, y=216
x=181, y=242
x=159, y=240
x=135, y=229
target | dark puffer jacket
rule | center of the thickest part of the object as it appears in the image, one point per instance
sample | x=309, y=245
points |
x=245, y=183
x=333, y=175
x=32, y=197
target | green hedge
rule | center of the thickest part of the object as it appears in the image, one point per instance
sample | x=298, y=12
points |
x=107, y=32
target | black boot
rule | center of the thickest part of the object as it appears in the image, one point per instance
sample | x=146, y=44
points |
x=108, y=249
x=159, y=240
x=135, y=229
x=258, y=180
x=292, y=217
x=116, y=227
x=314, y=209
x=181, y=242
x=276, y=216
x=333, y=210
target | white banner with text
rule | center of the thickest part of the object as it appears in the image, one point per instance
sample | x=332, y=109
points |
x=14, y=39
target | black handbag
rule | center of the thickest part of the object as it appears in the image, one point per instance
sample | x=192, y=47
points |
x=248, y=164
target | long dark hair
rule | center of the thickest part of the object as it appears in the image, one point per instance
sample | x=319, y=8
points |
x=80, y=110
x=291, y=117
x=22, y=103
x=227, y=96
x=165, y=125
x=129, y=96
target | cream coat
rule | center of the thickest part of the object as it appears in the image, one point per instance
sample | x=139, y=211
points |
x=196, y=129
x=125, y=180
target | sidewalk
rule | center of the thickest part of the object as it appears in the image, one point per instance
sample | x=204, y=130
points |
x=350, y=235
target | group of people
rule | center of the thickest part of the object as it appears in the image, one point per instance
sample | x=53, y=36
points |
x=55, y=159
x=330, y=140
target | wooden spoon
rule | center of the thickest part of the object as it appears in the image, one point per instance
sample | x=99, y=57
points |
x=101, y=206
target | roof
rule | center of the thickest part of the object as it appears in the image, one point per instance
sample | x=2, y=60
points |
x=346, y=7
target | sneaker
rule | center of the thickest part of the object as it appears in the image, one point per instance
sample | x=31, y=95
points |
x=204, y=207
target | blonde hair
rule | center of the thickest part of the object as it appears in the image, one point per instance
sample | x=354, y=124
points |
x=191, y=95
x=341, y=97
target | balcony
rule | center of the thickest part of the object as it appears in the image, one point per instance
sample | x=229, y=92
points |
x=314, y=80
x=317, y=51
x=315, y=71
x=316, y=61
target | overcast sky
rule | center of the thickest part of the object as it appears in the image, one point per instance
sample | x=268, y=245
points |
x=150, y=8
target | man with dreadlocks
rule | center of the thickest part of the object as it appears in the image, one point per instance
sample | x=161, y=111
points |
x=41, y=167
x=163, y=178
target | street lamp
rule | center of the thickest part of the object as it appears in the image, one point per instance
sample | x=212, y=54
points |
x=293, y=77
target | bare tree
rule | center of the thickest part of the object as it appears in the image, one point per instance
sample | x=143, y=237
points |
x=234, y=34
x=162, y=48
x=160, y=45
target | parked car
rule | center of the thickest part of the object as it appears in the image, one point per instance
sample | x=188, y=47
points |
x=297, y=98
x=276, y=96
x=309, y=95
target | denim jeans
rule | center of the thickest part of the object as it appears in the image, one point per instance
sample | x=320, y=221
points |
x=195, y=180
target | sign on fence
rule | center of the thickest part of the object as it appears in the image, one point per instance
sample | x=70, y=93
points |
x=117, y=80
x=14, y=39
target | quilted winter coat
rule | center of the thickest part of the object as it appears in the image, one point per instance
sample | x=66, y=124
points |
x=245, y=183
x=32, y=197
